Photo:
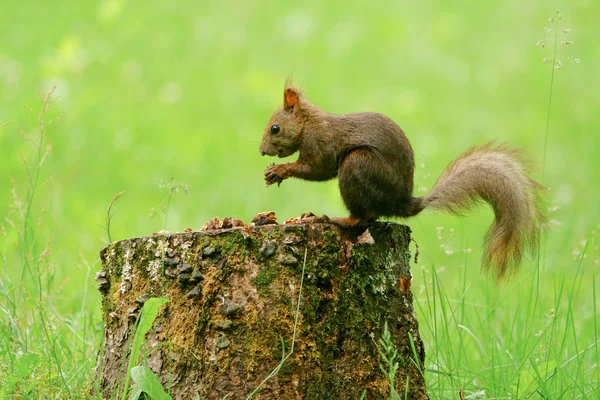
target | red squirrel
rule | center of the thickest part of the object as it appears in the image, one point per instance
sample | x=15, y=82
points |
x=374, y=163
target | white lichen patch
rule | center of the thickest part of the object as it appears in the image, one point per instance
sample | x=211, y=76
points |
x=161, y=247
x=393, y=265
x=110, y=260
x=150, y=243
x=154, y=269
x=126, y=282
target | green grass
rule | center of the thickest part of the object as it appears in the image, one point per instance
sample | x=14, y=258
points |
x=184, y=90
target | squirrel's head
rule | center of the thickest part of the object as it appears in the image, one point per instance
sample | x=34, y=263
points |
x=283, y=132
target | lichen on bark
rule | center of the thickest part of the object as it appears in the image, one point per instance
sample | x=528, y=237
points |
x=233, y=295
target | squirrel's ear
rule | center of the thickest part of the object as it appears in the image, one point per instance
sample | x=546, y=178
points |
x=291, y=97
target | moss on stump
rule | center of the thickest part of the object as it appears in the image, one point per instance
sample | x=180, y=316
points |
x=233, y=295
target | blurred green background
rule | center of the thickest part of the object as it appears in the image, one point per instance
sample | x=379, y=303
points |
x=184, y=89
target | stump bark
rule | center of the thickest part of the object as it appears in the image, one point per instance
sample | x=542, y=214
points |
x=233, y=295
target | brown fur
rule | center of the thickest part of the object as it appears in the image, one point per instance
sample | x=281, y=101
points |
x=374, y=162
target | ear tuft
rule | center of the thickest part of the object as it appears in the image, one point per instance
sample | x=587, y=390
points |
x=288, y=82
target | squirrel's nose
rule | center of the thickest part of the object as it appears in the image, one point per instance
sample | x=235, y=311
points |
x=262, y=153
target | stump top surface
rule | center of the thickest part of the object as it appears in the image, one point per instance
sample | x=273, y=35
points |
x=351, y=234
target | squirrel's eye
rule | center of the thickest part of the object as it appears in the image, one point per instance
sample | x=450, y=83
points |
x=275, y=129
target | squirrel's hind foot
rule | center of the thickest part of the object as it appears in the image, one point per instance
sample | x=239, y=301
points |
x=347, y=222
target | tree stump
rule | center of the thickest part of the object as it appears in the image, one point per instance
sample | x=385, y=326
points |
x=233, y=296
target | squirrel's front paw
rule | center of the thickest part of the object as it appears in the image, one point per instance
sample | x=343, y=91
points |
x=275, y=174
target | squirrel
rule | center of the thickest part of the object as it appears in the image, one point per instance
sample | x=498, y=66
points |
x=374, y=163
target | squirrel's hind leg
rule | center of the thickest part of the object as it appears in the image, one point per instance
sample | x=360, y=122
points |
x=369, y=186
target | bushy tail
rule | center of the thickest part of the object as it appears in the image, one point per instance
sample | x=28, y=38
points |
x=498, y=175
